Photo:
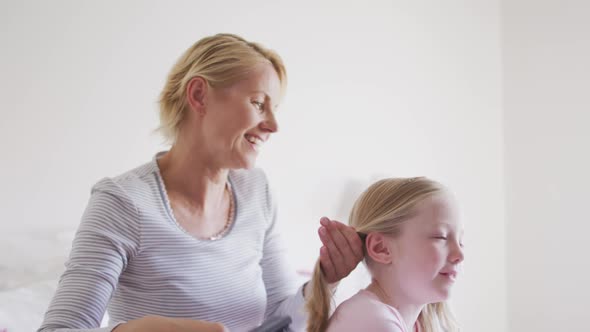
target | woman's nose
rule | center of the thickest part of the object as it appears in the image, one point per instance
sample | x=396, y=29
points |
x=270, y=123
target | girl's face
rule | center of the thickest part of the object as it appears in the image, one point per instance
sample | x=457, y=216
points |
x=428, y=252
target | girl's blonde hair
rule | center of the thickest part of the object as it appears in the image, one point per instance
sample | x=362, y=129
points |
x=221, y=60
x=383, y=208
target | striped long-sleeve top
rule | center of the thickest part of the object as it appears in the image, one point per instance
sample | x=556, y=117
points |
x=132, y=258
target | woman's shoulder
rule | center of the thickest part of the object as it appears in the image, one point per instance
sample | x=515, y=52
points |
x=131, y=183
x=254, y=177
x=250, y=183
x=252, y=189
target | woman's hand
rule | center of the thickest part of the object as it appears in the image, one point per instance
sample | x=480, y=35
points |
x=342, y=249
x=166, y=324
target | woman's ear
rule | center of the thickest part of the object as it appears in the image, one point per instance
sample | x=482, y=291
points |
x=379, y=248
x=196, y=94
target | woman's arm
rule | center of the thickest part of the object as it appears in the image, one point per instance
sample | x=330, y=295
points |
x=165, y=324
x=107, y=238
x=341, y=253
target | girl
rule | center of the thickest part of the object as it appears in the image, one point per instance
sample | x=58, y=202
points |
x=413, y=250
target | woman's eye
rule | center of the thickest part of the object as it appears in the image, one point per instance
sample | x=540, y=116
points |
x=258, y=105
x=440, y=237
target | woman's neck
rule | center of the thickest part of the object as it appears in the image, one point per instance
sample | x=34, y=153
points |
x=185, y=172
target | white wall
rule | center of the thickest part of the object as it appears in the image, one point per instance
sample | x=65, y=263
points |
x=547, y=119
x=377, y=88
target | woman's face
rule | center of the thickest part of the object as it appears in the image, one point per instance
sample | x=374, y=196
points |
x=240, y=118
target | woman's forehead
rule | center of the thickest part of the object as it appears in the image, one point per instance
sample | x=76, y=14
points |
x=261, y=79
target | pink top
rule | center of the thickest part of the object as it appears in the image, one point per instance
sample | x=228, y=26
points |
x=365, y=312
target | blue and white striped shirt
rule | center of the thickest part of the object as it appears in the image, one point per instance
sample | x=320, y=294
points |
x=130, y=256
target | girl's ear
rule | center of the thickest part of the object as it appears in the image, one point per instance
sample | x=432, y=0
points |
x=379, y=248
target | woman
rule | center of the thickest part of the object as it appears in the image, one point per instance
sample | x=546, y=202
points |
x=188, y=241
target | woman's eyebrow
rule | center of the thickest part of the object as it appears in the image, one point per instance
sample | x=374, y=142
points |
x=266, y=97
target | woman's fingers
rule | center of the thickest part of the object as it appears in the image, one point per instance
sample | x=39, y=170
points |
x=327, y=265
x=343, y=249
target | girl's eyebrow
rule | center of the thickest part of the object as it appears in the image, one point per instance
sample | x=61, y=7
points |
x=450, y=226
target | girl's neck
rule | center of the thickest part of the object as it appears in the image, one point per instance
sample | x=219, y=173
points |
x=397, y=299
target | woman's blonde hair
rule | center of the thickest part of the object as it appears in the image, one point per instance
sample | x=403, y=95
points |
x=383, y=208
x=221, y=60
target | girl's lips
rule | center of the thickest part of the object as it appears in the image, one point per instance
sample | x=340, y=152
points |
x=450, y=275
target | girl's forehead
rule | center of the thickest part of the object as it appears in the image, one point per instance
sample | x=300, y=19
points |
x=435, y=211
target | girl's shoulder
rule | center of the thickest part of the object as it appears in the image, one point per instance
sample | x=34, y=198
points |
x=364, y=311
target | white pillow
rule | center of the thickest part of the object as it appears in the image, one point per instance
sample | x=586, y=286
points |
x=33, y=256
x=22, y=309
